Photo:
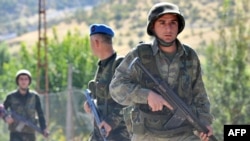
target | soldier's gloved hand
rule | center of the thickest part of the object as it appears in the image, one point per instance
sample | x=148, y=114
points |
x=106, y=126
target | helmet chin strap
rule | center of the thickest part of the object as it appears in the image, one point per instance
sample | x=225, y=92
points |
x=163, y=43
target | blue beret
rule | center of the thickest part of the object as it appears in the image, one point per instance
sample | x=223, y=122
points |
x=101, y=29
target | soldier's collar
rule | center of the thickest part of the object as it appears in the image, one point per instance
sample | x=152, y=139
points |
x=103, y=63
x=25, y=95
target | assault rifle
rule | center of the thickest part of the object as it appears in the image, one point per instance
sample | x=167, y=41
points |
x=180, y=109
x=94, y=111
x=21, y=120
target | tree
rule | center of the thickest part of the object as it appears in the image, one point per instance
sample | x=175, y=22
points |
x=4, y=58
x=73, y=49
x=227, y=69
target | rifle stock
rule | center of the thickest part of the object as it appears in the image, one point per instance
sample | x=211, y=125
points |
x=180, y=109
x=94, y=111
x=21, y=120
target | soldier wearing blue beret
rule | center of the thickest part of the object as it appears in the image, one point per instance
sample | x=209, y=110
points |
x=110, y=111
x=101, y=29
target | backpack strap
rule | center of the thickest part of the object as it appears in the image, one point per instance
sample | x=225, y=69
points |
x=146, y=55
x=117, y=62
x=186, y=61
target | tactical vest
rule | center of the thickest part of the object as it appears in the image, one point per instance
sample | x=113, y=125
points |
x=26, y=110
x=153, y=122
x=100, y=86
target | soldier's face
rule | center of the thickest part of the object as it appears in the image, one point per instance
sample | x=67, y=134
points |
x=23, y=81
x=166, y=27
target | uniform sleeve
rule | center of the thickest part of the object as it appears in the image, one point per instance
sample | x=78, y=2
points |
x=6, y=105
x=124, y=87
x=116, y=117
x=40, y=113
x=7, y=102
x=201, y=99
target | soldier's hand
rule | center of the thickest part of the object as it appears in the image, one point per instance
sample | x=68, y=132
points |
x=86, y=107
x=205, y=137
x=45, y=133
x=105, y=126
x=156, y=102
x=9, y=119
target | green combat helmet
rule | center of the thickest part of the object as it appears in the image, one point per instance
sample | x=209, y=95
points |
x=23, y=72
x=163, y=8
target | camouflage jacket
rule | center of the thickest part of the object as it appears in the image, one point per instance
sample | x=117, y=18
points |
x=126, y=88
x=110, y=111
x=27, y=106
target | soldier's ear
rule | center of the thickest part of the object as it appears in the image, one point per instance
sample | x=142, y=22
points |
x=97, y=43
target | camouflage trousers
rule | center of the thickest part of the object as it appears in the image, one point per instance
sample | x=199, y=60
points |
x=182, y=137
x=16, y=136
x=116, y=135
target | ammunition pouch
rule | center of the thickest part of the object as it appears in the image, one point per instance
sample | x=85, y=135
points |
x=99, y=89
x=127, y=111
x=153, y=124
x=137, y=121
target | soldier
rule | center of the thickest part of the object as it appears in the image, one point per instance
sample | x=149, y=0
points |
x=111, y=112
x=25, y=103
x=171, y=61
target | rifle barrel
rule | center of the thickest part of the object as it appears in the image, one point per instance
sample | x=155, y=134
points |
x=94, y=111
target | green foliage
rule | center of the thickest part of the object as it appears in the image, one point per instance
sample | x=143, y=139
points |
x=75, y=50
x=4, y=58
x=3, y=133
x=227, y=71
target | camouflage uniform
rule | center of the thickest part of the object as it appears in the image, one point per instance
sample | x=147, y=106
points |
x=27, y=106
x=110, y=111
x=130, y=87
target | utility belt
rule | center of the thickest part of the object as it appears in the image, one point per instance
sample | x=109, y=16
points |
x=152, y=124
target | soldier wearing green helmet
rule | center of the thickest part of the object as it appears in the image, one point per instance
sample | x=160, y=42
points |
x=163, y=8
x=157, y=11
x=23, y=72
x=25, y=103
x=173, y=62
